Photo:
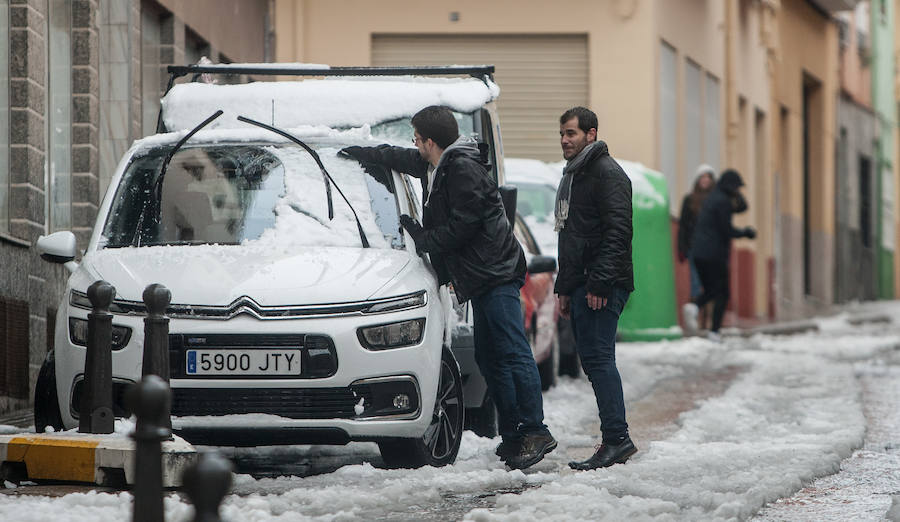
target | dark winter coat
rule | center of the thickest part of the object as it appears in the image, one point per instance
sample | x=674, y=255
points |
x=714, y=231
x=686, y=223
x=595, y=244
x=466, y=230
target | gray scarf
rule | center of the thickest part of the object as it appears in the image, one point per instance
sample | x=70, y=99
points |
x=574, y=165
x=461, y=142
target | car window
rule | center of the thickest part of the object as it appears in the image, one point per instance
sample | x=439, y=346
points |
x=537, y=200
x=525, y=238
x=400, y=131
x=230, y=194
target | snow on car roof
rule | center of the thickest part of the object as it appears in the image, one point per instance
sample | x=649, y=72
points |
x=332, y=102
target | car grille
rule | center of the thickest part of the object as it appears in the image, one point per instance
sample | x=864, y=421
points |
x=294, y=403
x=318, y=355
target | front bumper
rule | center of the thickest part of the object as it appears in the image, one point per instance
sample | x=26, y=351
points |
x=356, y=399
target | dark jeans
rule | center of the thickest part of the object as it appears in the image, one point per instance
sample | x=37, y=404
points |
x=595, y=340
x=506, y=362
x=714, y=276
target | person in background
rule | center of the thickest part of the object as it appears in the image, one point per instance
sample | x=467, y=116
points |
x=471, y=243
x=711, y=249
x=596, y=276
x=704, y=181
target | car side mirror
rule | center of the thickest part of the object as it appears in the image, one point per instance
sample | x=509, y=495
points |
x=58, y=247
x=542, y=264
x=509, y=194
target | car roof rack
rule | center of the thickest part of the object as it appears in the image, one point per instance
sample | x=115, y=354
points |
x=482, y=72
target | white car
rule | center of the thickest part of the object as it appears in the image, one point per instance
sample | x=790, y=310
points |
x=301, y=312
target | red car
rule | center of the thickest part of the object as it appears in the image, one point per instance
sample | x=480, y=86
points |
x=539, y=305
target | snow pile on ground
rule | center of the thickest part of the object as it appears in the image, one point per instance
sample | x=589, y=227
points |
x=787, y=420
x=792, y=414
x=334, y=102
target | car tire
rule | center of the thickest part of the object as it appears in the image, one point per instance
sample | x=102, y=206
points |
x=46, y=401
x=549, y=368
x=483, y=420
x=439, y=445
x=568, y=358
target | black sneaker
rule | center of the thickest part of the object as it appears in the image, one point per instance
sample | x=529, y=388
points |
x=507, y=449
x=534, y=447
x=607, y=455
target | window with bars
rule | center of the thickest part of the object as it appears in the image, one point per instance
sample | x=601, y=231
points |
x=14, y=348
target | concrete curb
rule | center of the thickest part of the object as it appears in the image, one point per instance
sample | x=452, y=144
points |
x=807, y=325
x=92, y=458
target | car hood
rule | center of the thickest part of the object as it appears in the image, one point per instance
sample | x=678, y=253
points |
x=217, y=275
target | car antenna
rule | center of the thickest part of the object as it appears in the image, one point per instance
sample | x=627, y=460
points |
x=315, y=156
x=157, y=185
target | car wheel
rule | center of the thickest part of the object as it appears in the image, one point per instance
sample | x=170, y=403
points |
x=440, y=443
x=46, y=402
x=483, y=420
x=549, y=369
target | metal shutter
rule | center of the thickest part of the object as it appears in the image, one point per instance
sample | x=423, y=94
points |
x=540, y=76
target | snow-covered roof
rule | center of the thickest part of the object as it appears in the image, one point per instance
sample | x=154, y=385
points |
x=332, y=102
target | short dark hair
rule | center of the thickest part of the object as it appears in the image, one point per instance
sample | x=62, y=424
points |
x=587, y=120
x=438, y=123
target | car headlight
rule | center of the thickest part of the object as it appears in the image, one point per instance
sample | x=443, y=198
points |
x=78, y=333
x=392, y=335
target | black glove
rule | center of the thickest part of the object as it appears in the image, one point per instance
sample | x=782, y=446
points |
x=749, y=232
x=415, y=231
x=357, y=153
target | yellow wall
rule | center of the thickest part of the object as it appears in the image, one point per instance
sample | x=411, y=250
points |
x=621, y=47
x=238, y=31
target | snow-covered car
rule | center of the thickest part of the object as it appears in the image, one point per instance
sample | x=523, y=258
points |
x=536, y=182
x=300, y=311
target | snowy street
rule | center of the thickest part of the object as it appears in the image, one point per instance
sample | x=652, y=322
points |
x=802, y=427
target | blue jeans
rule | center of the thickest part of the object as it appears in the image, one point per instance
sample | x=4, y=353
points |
x=595, y=340
x=506, y=362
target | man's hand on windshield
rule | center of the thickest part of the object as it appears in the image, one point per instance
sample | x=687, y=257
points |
x=415, y=231
x=357, y=153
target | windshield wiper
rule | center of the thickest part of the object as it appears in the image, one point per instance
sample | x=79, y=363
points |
x=156, y=195
x=315, y=156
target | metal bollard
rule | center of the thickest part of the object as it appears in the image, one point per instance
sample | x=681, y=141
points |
x=206, y=483
x=156, y=331
x=149, y=400
x=96, y=413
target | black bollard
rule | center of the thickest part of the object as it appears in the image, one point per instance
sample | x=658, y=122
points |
x=156, y=332
x=96, y=413
x=150, y=402
x=206, y=482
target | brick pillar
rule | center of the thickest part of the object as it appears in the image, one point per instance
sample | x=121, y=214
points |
x=27, y=138
x=171, y=49
x=85, y=117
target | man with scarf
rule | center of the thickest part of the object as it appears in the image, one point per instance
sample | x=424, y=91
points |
x=593, y=218
x=471, y=244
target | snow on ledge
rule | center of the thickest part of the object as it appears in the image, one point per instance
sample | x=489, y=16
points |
x=332, y=102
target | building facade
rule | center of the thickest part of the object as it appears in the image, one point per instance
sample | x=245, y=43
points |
x=754, y=85
x=79, y=81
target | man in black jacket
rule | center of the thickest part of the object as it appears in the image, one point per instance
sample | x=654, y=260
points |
x=469, y=238
x=711, y=249
x=593, y=217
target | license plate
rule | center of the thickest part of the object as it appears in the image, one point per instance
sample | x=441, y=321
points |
x=243, y=362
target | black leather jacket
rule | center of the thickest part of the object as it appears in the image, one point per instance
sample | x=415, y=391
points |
x=713, y=232
x=595, y=244
x=466, y=232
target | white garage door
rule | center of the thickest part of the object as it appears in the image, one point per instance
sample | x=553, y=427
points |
x=540, y=76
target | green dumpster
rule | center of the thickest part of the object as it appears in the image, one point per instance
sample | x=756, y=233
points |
x=650, y=314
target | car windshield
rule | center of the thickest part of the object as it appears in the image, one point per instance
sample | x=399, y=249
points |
x=239, y=193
